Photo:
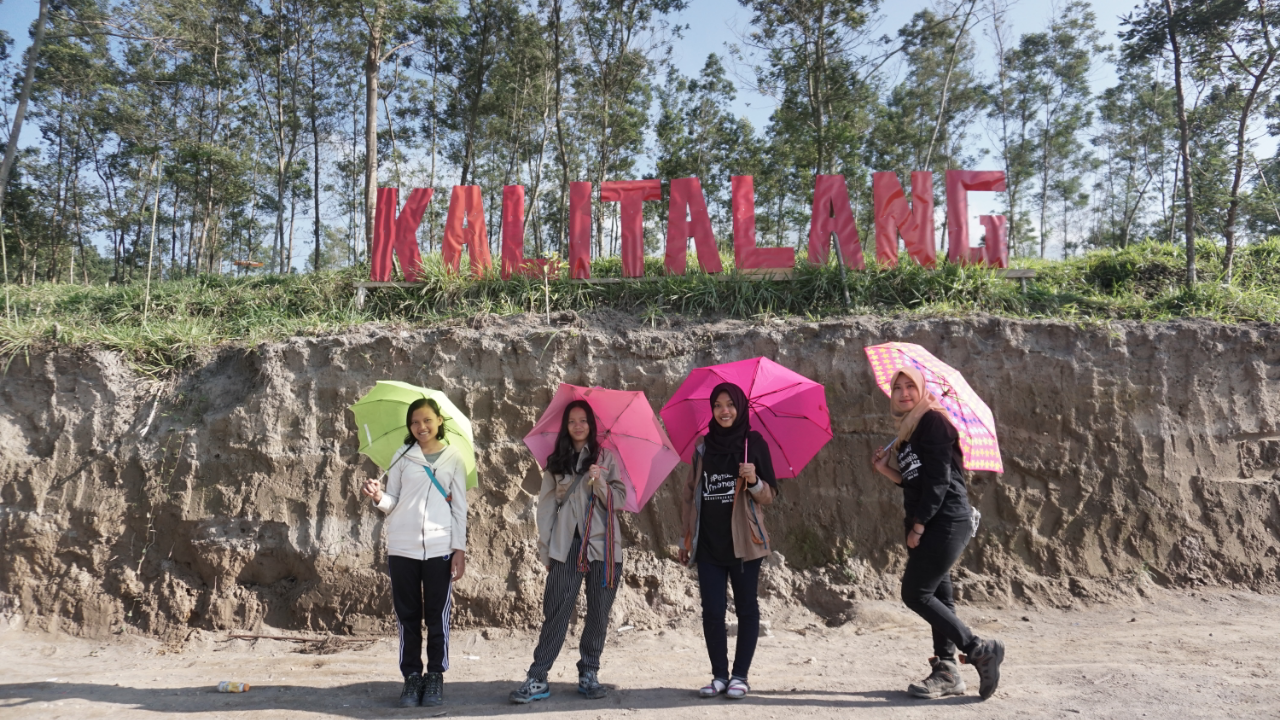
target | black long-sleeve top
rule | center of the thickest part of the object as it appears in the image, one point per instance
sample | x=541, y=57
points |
x=932, y=480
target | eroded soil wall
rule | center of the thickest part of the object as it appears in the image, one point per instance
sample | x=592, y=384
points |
x=228, y=498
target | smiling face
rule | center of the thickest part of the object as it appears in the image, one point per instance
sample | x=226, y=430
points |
x=905, y=394
x=425, y=424
x=724, y=411
x=579, y=427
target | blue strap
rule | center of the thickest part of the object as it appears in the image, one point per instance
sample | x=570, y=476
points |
x=448, y=497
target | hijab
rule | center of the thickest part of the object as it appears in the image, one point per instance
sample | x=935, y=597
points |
x=729, y=440
x=907, y=421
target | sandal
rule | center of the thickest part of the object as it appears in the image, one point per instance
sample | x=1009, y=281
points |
x=738, y=688
x=713, y=688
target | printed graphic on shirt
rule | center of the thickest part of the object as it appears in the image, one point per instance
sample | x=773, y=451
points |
x=718, y=486
x=908, y=463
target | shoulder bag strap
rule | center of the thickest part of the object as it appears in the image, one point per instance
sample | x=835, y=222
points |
x=448, y=497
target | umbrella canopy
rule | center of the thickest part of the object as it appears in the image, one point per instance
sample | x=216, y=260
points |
x=626, y=425
x=968, y=413
x=380, y=422
x=787, y=408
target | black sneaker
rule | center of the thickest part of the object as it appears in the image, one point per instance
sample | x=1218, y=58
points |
x=433, y=689
x=411, y=695
x=944, y=680
x=589, y=686
x=986, y=659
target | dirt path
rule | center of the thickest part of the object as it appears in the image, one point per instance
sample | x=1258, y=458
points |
x=1207, y=654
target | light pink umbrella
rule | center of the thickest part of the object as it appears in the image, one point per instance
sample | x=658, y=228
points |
x=626, y=426
x=787, y=408
x=969, y=414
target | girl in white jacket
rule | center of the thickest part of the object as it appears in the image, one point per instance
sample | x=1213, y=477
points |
x=426, y=506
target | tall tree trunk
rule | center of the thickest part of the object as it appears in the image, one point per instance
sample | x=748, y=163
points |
x=315, y=170
x=33, y=54
x=372, y=64
x=946, y=82
x=1184, y=148
x=1229, y=232
x=558, y=45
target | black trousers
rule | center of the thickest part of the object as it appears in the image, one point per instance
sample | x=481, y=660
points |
x=422, y=590
x=560, y=600
x=712, y=582
x=926, y=583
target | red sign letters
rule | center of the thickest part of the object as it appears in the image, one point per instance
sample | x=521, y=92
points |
x=687, y=217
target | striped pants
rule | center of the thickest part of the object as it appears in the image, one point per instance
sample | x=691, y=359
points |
x=559, y=602
x=422, y=590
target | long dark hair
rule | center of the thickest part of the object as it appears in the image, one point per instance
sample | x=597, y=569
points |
x=561, y=460
x=415, y=406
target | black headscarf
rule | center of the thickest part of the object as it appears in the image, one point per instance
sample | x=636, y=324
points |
x=729, y=440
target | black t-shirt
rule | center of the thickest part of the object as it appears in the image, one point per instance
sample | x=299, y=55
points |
x=715, y=520
x=932, y=480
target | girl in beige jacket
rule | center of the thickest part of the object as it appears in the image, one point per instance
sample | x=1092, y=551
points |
x=578, y=539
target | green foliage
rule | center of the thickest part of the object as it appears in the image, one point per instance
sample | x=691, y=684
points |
x=188, y=316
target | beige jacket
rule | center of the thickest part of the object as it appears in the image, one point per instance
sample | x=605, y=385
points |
x=555, y=530
x=750, y=539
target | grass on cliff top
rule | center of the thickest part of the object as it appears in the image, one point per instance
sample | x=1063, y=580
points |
x=186, y=316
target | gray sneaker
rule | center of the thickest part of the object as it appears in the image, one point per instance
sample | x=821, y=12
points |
x=589, y=686
x=986, y=659
x=944, y=680
x=531, y=690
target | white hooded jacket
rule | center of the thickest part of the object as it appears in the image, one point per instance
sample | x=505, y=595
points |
x=421, y=524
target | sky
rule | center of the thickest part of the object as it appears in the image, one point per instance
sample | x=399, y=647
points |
x=716, y=24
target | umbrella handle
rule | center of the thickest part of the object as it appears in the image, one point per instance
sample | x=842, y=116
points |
x=393, y=462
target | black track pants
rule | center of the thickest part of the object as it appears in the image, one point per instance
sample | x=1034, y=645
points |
x=422, y=590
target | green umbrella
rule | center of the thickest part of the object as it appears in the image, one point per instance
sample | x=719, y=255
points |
x=380, y=416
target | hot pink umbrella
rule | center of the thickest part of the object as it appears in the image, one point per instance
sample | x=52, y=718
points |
x=626, y=426
x=969, y=414
x=787, y=408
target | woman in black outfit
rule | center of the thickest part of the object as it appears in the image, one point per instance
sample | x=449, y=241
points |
x=730, y=484
x=938, y=525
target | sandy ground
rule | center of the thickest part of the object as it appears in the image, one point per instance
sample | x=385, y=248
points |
x=1203, y=654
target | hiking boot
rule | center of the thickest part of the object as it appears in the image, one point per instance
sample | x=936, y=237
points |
x=411, y=695
x=944, y=680
x=986, y=658
x=530, y=690
x=433, y=689
x=590, y=687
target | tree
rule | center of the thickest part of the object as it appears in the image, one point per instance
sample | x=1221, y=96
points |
x=1062, y=59
x=1136, y=127
x=381, y=19
x=11, y=145
x=698, y=135
x=1014, y=107
x=1246, y=64
x=1172, y=26
x=621, y=42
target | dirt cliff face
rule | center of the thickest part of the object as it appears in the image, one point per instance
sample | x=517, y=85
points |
x=228, y=498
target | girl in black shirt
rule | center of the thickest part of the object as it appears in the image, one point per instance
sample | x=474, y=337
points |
x=731, y=481
x=938, y=525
